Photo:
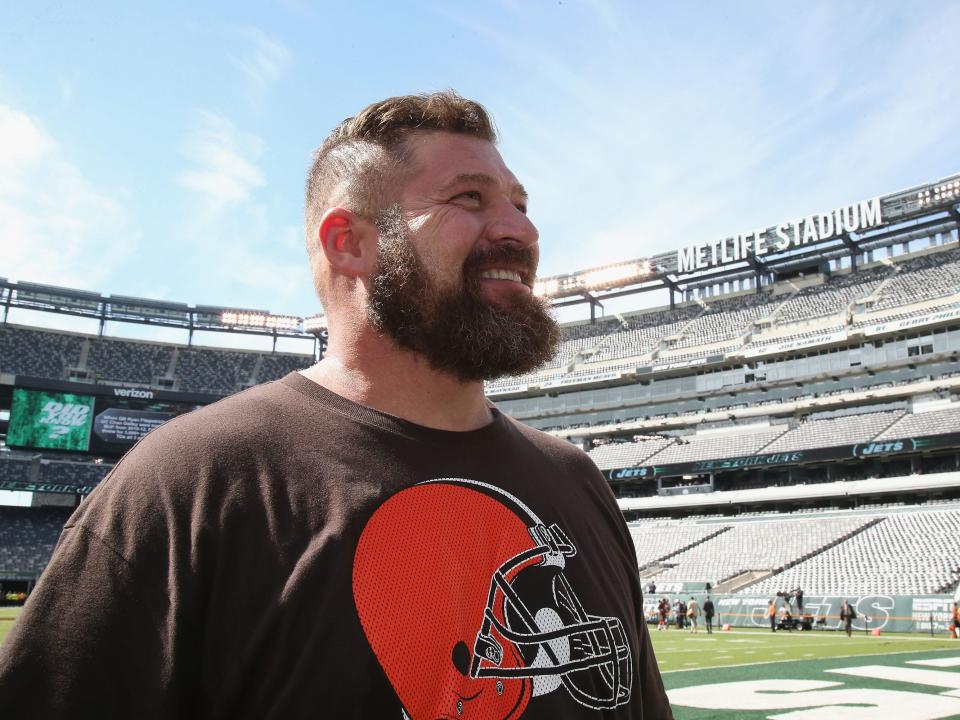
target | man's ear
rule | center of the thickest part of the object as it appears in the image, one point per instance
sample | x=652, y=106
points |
x=348, y=242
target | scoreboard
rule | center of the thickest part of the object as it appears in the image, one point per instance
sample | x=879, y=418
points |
x=106, y=425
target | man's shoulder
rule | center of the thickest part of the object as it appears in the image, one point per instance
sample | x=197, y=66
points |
x=248, y=419
x=551, y=444
x=210, y=449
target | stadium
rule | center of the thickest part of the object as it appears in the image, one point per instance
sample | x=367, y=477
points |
x=779, y=419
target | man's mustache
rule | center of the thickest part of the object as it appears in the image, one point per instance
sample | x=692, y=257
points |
x=507, y=255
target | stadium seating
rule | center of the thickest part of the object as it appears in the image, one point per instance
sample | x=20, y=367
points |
x=214, y=371
x=696, y=329
x=617, y=455
x=779, y=437
x=735, y=441
x=33, y=468
x=277, y=365
x=81, y=474
x=904, y=554
x=843, y=430
x=757, y=545
x=60, y=356
x=27, y=537
x=659, y=540
x=38, y=353
x=125, y=361
x=927, y=277
x=884, y=549
x=935, y=422
x=15, y=468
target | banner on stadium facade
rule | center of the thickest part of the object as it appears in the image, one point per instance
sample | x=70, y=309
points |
x=907, y=323
x=792, y=345
x=745, y=462
x=886, y=613
x=45, y=487
x=581, y=379
x=114, y=391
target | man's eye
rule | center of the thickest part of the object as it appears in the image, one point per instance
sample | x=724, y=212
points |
x=470, y=195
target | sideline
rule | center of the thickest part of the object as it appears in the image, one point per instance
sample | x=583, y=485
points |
x=795, y=660
x=912, y=637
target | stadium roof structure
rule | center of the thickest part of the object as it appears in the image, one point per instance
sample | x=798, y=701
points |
x=120, y=308
x=791, y=247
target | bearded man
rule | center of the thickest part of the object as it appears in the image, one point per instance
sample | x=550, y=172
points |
x=369, y=538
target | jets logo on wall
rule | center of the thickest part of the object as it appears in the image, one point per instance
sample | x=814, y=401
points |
x=462, y=596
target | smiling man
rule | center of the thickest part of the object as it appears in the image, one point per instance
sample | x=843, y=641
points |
x=369, y=538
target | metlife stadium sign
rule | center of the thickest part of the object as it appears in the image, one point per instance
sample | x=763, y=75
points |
x=782, y=237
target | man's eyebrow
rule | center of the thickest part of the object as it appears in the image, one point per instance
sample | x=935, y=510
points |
x=485, y=180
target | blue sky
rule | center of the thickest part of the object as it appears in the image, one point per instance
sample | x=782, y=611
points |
x=160, y=152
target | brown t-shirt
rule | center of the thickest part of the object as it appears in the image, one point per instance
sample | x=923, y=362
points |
x=286, y=553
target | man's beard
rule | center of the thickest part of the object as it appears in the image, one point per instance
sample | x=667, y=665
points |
x=454, y=329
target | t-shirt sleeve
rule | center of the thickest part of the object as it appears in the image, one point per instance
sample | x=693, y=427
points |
x=92, y=641
x=109, y=629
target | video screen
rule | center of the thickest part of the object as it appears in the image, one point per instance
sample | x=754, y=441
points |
x=50, y=420
x=121, y=422
x=105, y=425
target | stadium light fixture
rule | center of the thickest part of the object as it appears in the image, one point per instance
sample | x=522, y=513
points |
x=315, y=323
x=944, y=192
x=601, y=278
x=260, y=320
x=547, y=287
x=613, y=275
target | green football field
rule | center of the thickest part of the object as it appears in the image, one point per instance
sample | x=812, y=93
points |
x=7, y=615
x=816, y=675
x=747, y=674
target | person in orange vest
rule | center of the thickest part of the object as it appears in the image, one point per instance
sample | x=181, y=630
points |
x=772, y=614
x=955, y=623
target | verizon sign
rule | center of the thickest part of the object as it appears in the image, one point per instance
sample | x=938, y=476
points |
x=133, y=393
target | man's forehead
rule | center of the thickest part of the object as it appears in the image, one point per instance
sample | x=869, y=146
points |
x=445, y=160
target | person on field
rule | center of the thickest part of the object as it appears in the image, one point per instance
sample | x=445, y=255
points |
x=693, y=613
x=708, y=613
x=664, y=610
x=772, y=614
x=847, y=616
x=955, y=622
x=413, y=552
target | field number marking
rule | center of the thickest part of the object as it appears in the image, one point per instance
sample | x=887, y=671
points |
x=816, y=700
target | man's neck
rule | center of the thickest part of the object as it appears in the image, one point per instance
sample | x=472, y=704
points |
x=401, y=383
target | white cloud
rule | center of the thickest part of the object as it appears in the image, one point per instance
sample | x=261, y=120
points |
x=263, y=60
x=224, y=160
x=53, y=219
x=228, y=224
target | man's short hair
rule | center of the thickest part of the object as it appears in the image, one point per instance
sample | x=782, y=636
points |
x=365, y=158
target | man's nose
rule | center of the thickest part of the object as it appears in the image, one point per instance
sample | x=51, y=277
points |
x=512, y=224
